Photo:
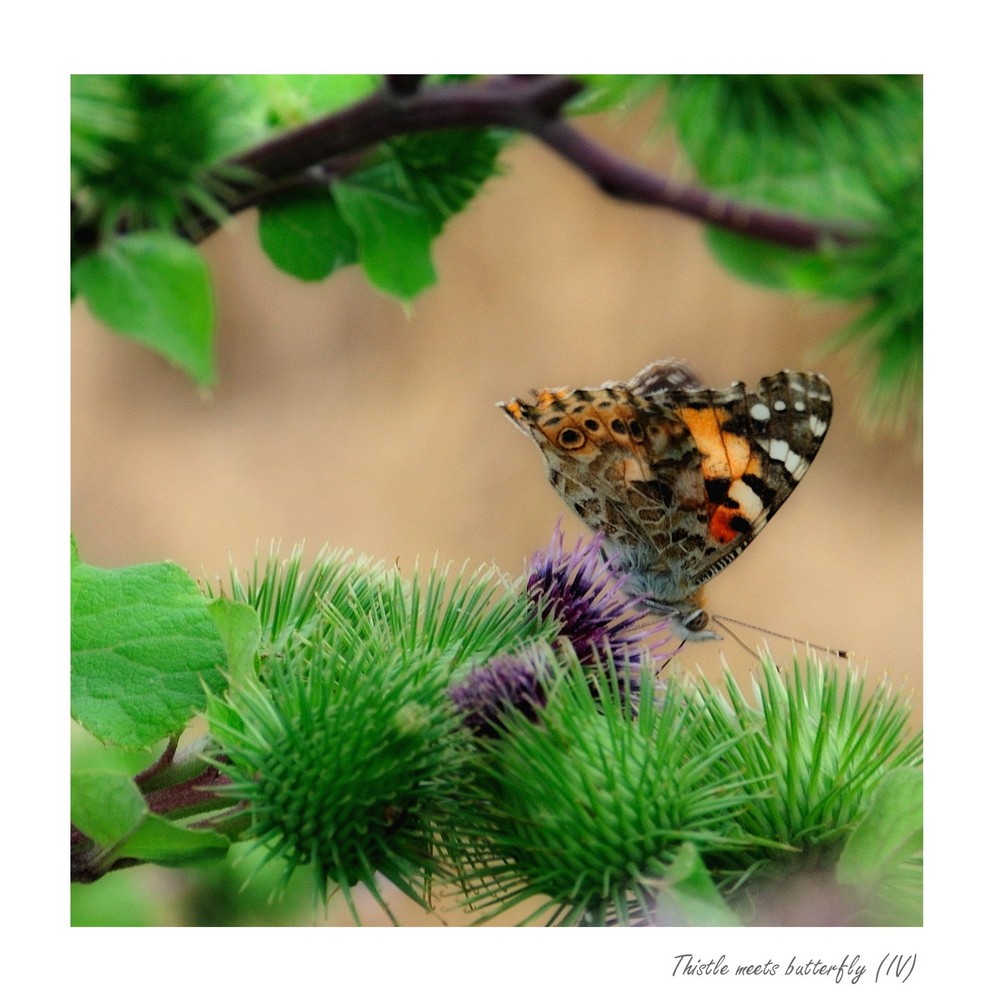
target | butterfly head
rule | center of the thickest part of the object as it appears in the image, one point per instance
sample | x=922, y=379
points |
x=687, y=619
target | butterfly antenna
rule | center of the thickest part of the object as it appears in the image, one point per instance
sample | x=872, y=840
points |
x=726, y=628
x=844, y=654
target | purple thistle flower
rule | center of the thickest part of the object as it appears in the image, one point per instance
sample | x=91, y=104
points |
x=511, y=682
x=583, y=591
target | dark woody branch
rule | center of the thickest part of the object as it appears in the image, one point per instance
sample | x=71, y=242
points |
x=333, y=146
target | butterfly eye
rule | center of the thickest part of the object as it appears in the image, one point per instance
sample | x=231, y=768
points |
x=570, y=438
x=696, y=622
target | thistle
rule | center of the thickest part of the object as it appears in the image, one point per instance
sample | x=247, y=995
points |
x=343, y=761
x=340, y=739
x=508, y=683
x=145, y=146
x=598, y=808
x=582, y=592
x=819, y=752
x=579, y=593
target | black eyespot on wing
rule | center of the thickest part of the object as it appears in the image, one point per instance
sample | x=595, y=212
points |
x=570, y=437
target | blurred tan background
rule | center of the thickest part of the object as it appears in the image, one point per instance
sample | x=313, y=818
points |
x=339, y=420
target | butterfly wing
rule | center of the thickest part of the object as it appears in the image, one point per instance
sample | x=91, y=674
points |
x=592, y=441
x=755, y=445
x=678, y=477
x=629, y=467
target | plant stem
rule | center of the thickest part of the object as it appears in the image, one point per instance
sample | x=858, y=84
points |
x=619, y=178
x=174, y=787
x=333, y=146
x=533, y=105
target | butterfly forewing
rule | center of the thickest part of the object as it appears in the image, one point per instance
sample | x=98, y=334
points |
x=755, y=447
x=678, y=477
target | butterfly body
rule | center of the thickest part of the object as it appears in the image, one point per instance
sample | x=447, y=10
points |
x=679, y=478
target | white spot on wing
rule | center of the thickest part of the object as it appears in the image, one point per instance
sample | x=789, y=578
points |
x=796, y=466
x=759, y=411
x=793, y=462
x=778, y=450
x=817, y=426
x=750, y=504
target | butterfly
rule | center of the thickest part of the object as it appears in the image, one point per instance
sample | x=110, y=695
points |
x=677, y=477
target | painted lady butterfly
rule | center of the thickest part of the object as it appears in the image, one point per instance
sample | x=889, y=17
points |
x=678, y=478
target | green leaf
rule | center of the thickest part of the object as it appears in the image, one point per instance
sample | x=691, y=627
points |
x=88, y=753
x=439, y=171
x=161, y=842
x=394, y=238
x=240, y=628
x=306, y=236
x=688, y=893
x=843, y=129
x=144, y=646
x=613, y=92
x=889, y=834
x=106, y=806
x=119, y=899
x=295, y=98
x=110, y=809
x=329, y=91
x=385, y=214
x=154, y=287
x=768, y=264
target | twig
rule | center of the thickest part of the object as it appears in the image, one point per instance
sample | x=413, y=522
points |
x=621, y=179
x=333, y=146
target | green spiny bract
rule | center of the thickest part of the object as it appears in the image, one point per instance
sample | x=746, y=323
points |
x=814, y=746
x=347, y=597
x=887, y=274
x=142, y=146
x=345, y=761
x=591, y=805
x=344, y=743
x=848, y=147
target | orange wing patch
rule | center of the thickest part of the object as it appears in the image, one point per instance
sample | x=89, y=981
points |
x=724, y=455
x=733, y=505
